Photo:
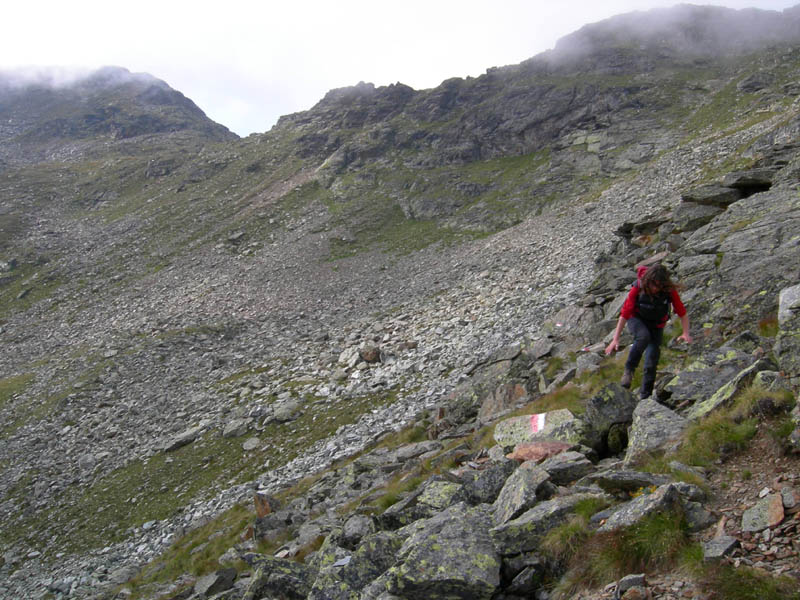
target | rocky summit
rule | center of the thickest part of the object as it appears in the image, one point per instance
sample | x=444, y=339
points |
x=361, y=355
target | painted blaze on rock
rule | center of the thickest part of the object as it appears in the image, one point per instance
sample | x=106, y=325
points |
x=559, y=425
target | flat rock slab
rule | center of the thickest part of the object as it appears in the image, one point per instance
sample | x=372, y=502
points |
x=768, y=512
x=719, y=547
x=560, y=425
x=538, y=451
x=664, y=499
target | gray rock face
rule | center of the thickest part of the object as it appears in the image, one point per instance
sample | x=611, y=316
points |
x=655, y=427
x=567, y=467
x=705, y=376
x=713, y=195
x=787, y=347
x=665, y=499
x=524, y=488
x=524, y=533
x=449, y=556
x=611, y=406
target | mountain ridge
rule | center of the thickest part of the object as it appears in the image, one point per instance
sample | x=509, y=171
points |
x=145, y=277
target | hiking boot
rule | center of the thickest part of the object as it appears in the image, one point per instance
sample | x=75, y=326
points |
x=627, y=377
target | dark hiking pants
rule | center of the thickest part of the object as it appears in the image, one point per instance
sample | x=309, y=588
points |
x=646, y=340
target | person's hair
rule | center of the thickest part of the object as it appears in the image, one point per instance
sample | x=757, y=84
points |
x=658, y=274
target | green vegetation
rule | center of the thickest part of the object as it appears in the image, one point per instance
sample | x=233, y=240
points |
x=157, y=487
x=658, y=542
x=746, y=583
x=11, y=386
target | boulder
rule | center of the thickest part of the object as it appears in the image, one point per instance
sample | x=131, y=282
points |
x=727, y=392
x=753, y=179
x=236, y=427
x=560, y=425
x=689, y=216
x=767, y=512
x=623, y=482
x=655, y=427
x=215, y=583
x=701, y=379
x=664, y=499
x=448, y=556
x=787, y=346
x=612, y=405
x=375, y=555
x=567, y=467
x=524, y=533
x=278, y=576
x=482, y=486
x=538, y=450
x=525, y=487
x=183, y=439
x=712, y=195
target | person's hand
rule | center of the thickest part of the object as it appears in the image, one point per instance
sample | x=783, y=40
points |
x=612, y=347
x=686, y=337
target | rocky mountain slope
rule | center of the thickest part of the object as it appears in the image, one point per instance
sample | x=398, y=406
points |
x=186, y=317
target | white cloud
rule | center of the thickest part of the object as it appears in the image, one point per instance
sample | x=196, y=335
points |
x=246, y=63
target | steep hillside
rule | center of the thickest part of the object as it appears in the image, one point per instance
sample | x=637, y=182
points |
x=185, y=315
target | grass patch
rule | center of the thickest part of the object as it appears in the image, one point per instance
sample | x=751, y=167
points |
x=567, y=396
x=658, y=542
x=157, y=488
x=715, y=436
x=195, y=553
x=747, y=583
x=768, y=326
x=11, y=386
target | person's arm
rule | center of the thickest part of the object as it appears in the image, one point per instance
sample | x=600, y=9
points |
x=625, y=313
x=685, y=335
x=614, y=345
x=680, y=310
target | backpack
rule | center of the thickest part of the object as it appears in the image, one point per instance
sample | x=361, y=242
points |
x=653, y=308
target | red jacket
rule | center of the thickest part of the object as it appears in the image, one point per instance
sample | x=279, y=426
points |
x=629, y=308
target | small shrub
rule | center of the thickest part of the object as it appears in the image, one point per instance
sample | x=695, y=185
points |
x=768, y=326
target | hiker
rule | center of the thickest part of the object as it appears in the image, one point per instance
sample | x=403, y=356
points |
x=646, y=311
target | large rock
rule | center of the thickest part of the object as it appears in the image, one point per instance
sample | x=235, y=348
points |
x=689, y=216
x=278, y=576
x=655, y=427
x=525, y=532
x=666, y=498
x=482, y=486
x=623, y=482
x=611, y=406
x=701, y=379
x=567, y=467
x=448, y=556
x=215, y=583
x=767, y=512
x=713, y=195
x=787, y=347
x=727, y=392
x=524, y=488
x=183, y=439
x=560, y=425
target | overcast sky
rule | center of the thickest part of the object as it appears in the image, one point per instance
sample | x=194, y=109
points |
x=245, y=63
